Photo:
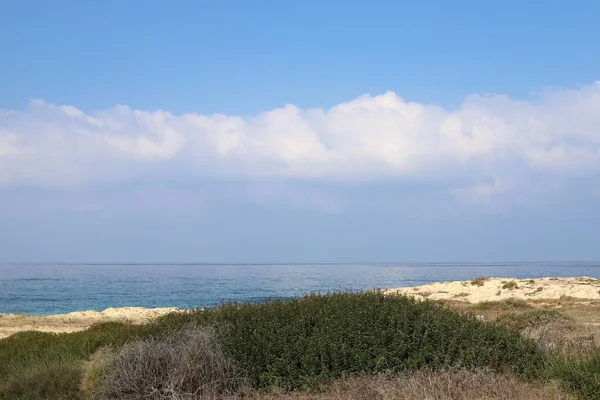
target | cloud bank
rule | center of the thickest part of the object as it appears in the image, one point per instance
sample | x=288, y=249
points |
x=557, y=133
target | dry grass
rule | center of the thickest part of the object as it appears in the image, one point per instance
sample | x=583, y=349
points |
x=566, y=334
x=461, y=294
x=424, y=294
x=510, y=285
x=186, y=364
x=428, y=386
x=585, y=311
x=490, y=310
x=537, y=290
x=576, y=324
x=480, y=281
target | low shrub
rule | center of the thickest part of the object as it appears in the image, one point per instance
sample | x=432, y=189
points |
x=187, y=363
x=94, y=370
x=53, y=381
x=26, y=354
x=510, y=285
x=479, y=281
x=579, y=373
x=299, y=343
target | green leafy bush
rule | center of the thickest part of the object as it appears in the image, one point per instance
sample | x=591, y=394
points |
x=296, y=344
x=35, y=354
x=578, y=373
x=53, y=381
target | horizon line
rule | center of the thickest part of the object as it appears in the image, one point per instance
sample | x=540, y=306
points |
x=448, y=263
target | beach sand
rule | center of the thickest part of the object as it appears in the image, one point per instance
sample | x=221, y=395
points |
x=77, y=321
x=490, y=289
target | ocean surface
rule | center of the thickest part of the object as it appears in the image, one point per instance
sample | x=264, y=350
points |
x=51, y=289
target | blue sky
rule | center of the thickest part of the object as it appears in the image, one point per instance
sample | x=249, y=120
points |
x=264, y=131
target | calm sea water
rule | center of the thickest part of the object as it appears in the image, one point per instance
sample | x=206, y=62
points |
x=51, y=289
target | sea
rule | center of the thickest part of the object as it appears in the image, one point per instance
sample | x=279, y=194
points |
x=41, y=289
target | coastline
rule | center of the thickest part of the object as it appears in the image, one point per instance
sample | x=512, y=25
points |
x=78, y=320
x=473, y=291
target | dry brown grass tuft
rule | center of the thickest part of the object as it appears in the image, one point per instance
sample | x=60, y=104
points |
x=186, y=364
x=480, y=281
x=510, y=285
x=537, y=290
x=577, y=330
x=458, y=385
x=567, y=335
x=461, y=294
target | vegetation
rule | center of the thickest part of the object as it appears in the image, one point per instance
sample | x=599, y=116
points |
x=580, y=373
x=297, y=344
x=443, y=385
x=530, y=318
x=502, y=305
x=254, y=350
x=36, y=365
x=510, y=285
x=187, y=363
x=480, y=281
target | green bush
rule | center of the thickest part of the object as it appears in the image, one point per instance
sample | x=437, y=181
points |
x=54, y=381
x=28, y=349
x=296, y=344
x=579, y=373
x=25, y=354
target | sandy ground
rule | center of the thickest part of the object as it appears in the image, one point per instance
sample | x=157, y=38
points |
x=486, y=289
x=77, y=321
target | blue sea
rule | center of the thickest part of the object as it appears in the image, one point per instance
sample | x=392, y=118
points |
x=59, y=288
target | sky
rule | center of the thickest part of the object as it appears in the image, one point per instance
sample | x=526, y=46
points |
x=270, y=131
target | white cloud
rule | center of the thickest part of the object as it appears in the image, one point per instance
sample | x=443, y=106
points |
x=371, y=137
